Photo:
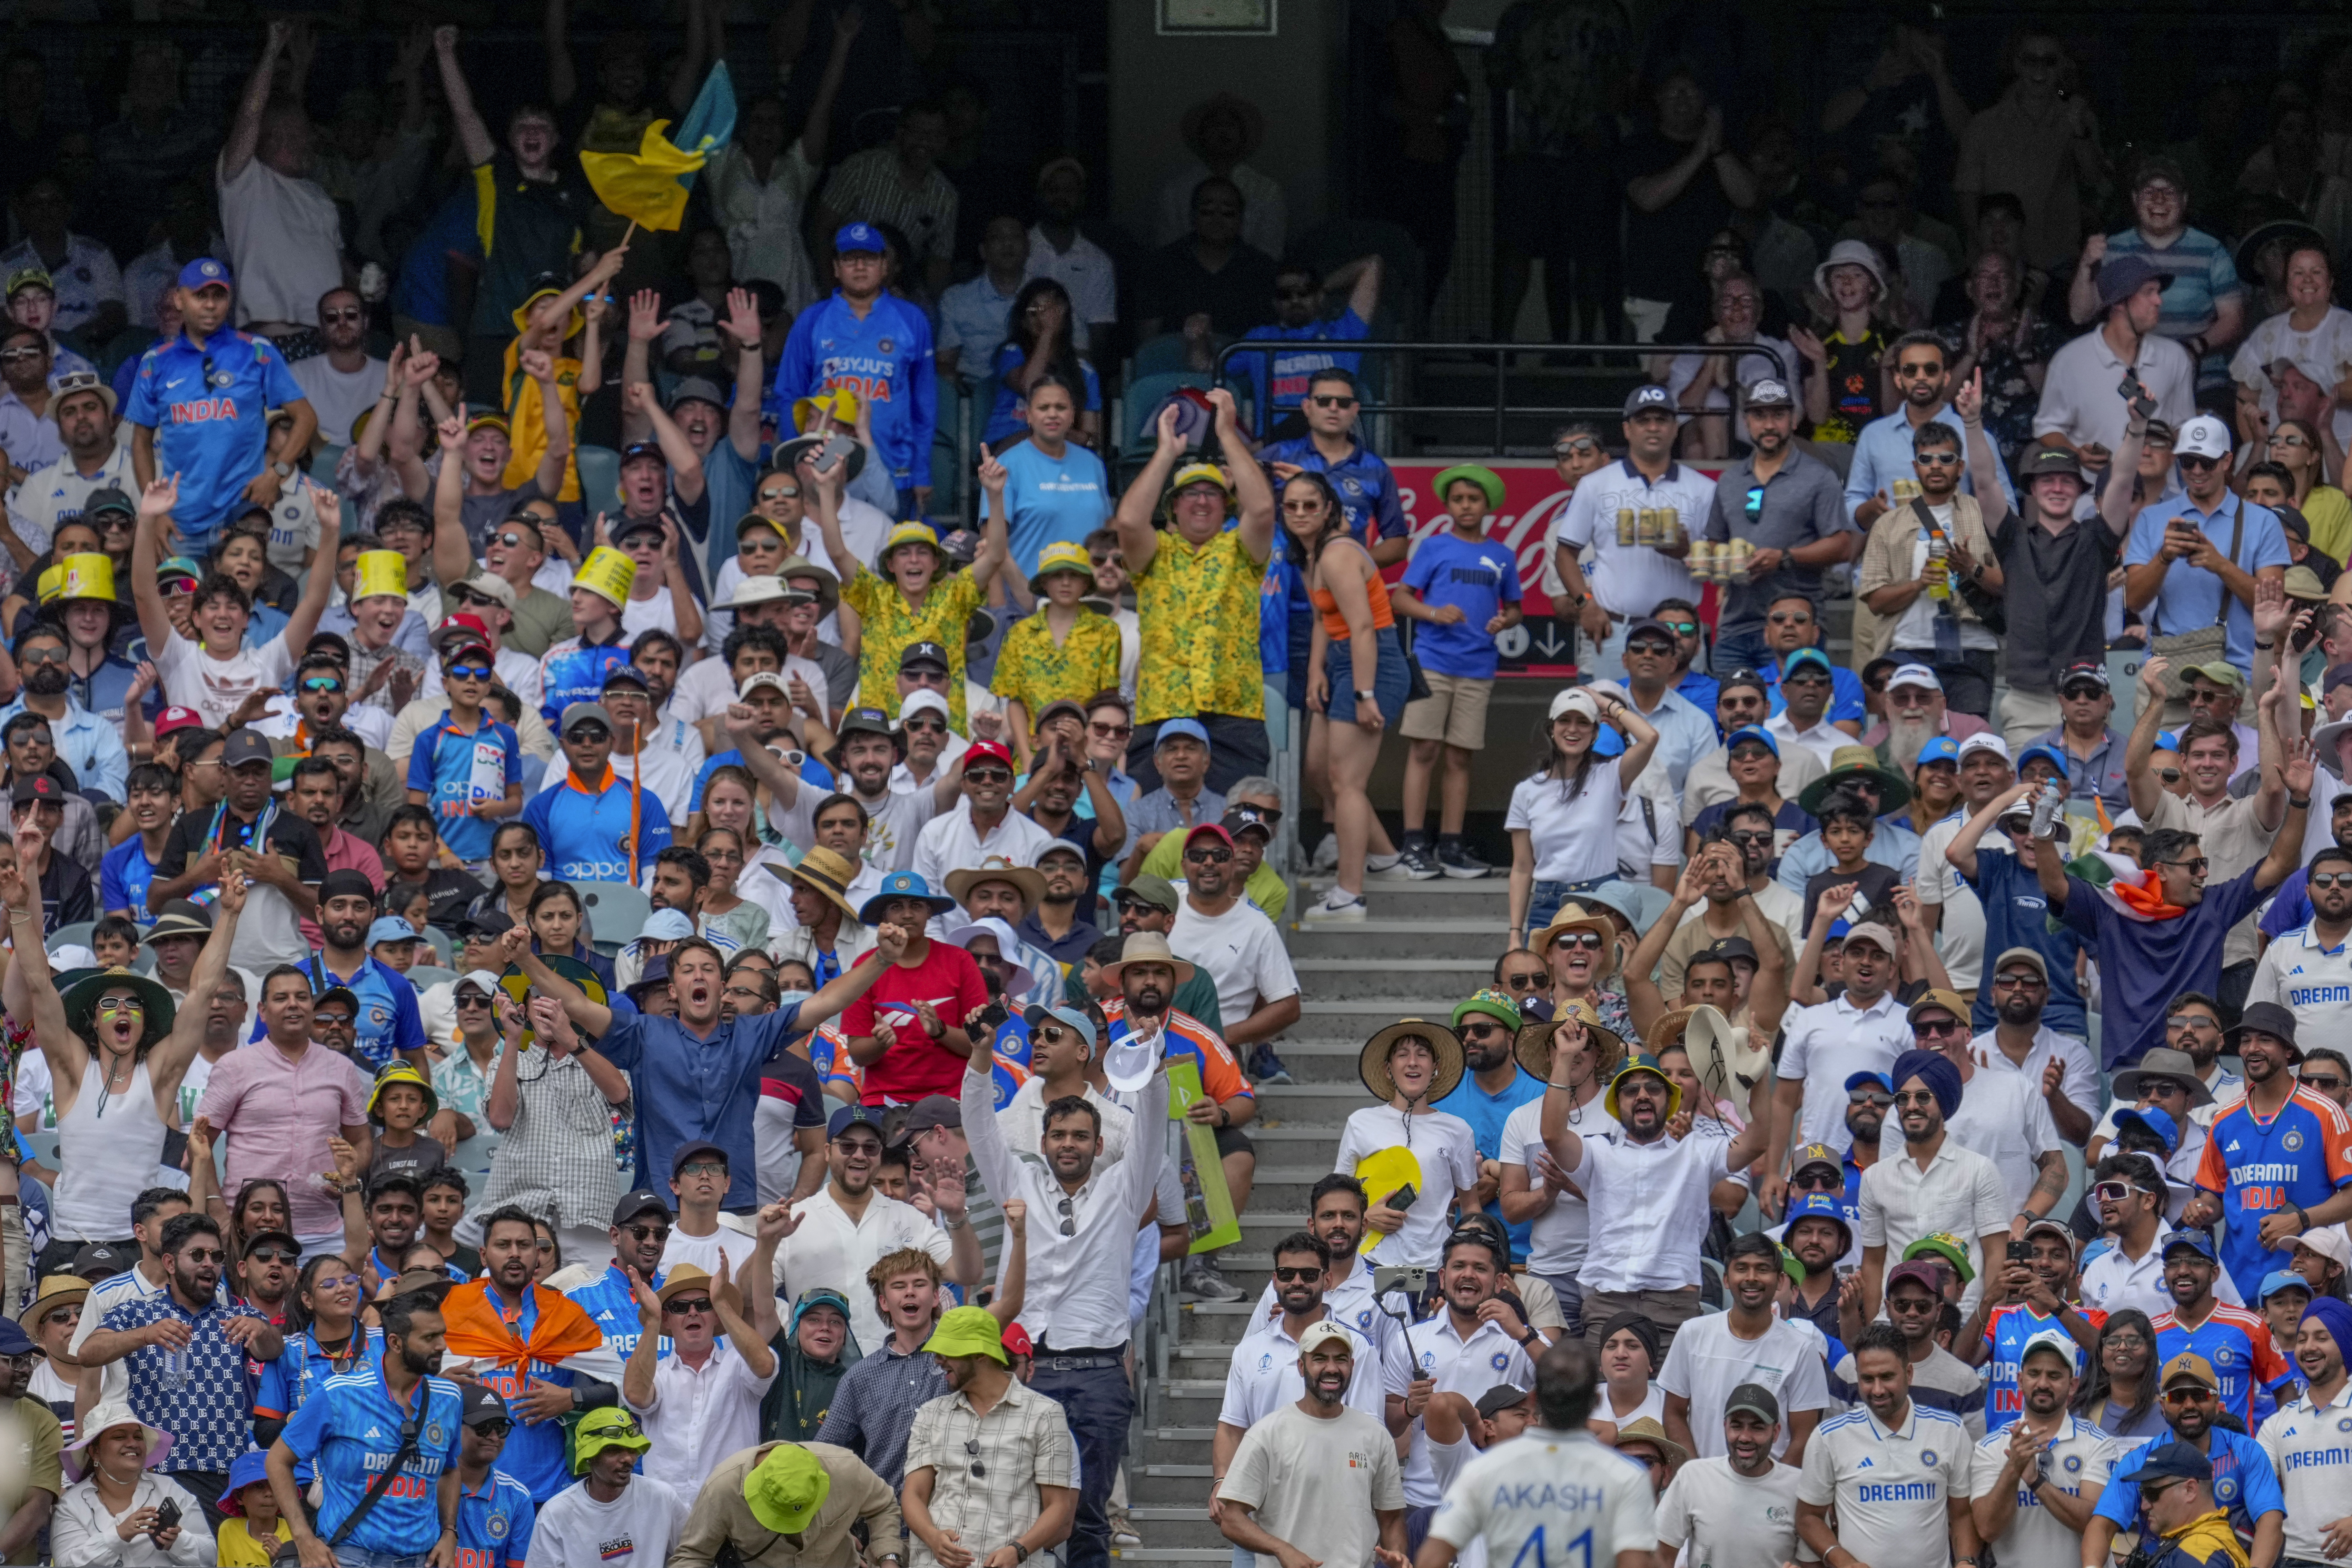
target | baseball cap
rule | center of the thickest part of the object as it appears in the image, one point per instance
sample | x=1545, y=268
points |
x=1500, y=1398
x=580, y=713
x=922, y=655
x=2086, y=669
x=2279, y=1279
x=1646, y=398
x=1034, y=1015
x=1770, y=391
x=850, y=1116
x=2156, y=1119
x=2044, y=461
x=2050, y=754
x=245, y=746
x=931, y=1111
x=645, y=1200
x=1813, y=655
x=2187, y=1367
x=1319, y=1332
x=1239, y=819
x=1984, y=741
x=30, y=277
x=204, y=272
x=1752, y=732
x=1152, y=891
x=463, y=629
x=1754, y=1398
x=38, y=786
x=1940, y=749
x=1871, y=932
x=483, y=1406
x=1914, y=675
x=390, y=928
x=2203, y=437
x=2197, y=1241
x=858, y=237
x=1818, y=1154
x=2058, y=1343
x=99, y=1261
x=697, y=389
x=690, y=1152
x=996, y=751
x=1172, y=728
x=1209, y=829
x=1878, y=1080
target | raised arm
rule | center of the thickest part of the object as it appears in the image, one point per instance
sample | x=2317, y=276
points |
x=1984, y=463
x=750, y=379
x=155, y=504
x=2138, y=781
x=2286, y=844
x=817, y=129
x=1013, y=1270
x=245, y=132
x=685, y=462
x=28, y=989
x=889, y=943
x=1961, y=853
x=169, y=1062
x=2117, y=505
x=473, y=136
x=304, y=621
x=1566, y=1148
x=514, y=946
x=540, y=365
x=1641, y=734
x=452, y=556
x=1253, y=496
x=2049, y=865
x=2270, y=725
x=825, y=489
x=1138, y=540
x=562, y=76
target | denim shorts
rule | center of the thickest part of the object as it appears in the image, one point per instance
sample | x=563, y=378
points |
x=1390, y=682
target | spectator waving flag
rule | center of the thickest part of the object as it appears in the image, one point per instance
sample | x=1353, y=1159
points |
x=2133, y=894
x=649, y=187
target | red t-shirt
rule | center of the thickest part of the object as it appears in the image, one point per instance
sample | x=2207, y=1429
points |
x=950, y=981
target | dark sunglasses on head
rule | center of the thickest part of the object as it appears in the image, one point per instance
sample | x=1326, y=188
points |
x=1575, y=447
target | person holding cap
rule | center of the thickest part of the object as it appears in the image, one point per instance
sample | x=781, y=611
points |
x=785, y=1504
x=869, y=342
x=2037, y=1482
x=1628, y=579
x=1736, y=1508
x=2252, y=1508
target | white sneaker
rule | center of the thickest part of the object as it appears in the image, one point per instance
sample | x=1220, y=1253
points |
x=1334, y=905
x=1327, y=854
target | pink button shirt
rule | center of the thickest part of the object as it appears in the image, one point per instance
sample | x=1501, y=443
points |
x=278, y=1113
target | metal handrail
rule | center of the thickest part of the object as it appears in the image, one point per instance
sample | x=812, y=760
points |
x=1500, y=352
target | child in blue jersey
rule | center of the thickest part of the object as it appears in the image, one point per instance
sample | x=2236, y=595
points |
x=878, y=346
x=1466, y=588
x=198, y=409
x=467, y=766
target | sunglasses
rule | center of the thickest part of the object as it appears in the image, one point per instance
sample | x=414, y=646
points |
x=1588, y=940
x=271, y=1255
x=2329, y=879
x=1332, y=400
x=783, y=492
x=2328, y=1082
x=1576, y=446
x=2187, y=460
x=1298, y=1276
x=588, y=734
x=1477, y=1031
x=988, y=775
x=1791, y=618
x=1110, y=732
x=473, y=1001
x=1527, y=981
x=111, y=1006
x=510, y=538
x=2180, y=1397
x=2195, y=865
x=42, y=655
x=1069, y=1225
x=2196, y=1021
x=2018, y=981
x=497, y=1429
x=467, y=600
x=1651, y=649
x=697, y=1304
x=648, y=1232
x=1805, y=678
x=1936, y=460
x=1209, y=857
x=1053, y=1034
x=1749, y=836
x=467, y=672
x=1947, y=1027
x=1873, y=1097
x=18, y=357
x=931, y=727
x=1826, y=1182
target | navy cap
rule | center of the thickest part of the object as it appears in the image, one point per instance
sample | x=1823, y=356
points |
x=655, y=973
x=688, y=1152
x=13, y=1340
x=99, y=1261
x=850, y=1116
x=1869, y=1080
x=2172, y=1461
x=856, y=236
x=204, y=272
x=2197, y=1241
x=1647, y=397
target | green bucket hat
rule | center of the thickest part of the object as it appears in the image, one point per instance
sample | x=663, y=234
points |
x=786, y=1487
x=155, y=1003
x=611, y=1428
x=969, y=1331
x=1484, y=477
x=1494, y=1005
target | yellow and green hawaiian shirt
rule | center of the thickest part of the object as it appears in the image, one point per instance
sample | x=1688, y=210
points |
x=1199, y=610
x=1031, y=670
x=892, y=626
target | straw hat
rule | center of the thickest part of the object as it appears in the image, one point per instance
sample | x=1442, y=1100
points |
x=1372, y=1063
x=829, y=874
x=1721, y=1052
x=1573, y=916
x=997, y=868
x=1151, y=947
x=1533, y=1045
x=56, y=1290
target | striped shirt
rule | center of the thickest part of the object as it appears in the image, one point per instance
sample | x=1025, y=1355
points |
x=866, y=187
x=873, y=1412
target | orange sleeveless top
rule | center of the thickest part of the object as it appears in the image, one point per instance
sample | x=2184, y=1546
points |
x=1335, y=625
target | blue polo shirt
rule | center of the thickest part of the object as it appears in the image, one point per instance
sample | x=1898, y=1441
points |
x=2244, y=1485
x=2190, y=597
x=587, y=835
x=204, y=405
x=2016, y=914
x=1293, y=368
x=1477, y=576
x=494, y=1523
x=689, y=1087
x=458, y=767
x=349, y=1429
x=1846, y=695
x=1486, y=1113
x=1367, y=488
x=885, y=357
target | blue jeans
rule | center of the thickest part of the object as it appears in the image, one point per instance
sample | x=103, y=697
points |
x=1545, y=898
x=1098, y=1402
x=1743, y=650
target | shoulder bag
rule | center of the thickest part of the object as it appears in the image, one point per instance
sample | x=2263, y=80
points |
x=289, y=1555
x=2205, y=643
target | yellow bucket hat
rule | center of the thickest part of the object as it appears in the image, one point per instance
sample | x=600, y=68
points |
x=908, y=533
x=785, y=1489
x=381, y=572
x=607, y=574
x=969, y=1331
x=1061, y=557
x=840, y=403
x=400, y=1072
x=84, y=577
x=45, y=588
x=521, y=317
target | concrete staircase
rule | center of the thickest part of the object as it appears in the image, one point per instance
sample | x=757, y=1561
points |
x=1427, y=946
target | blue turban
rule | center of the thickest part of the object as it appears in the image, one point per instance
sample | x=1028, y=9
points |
x=2339, y=1318
x=1935, y=1070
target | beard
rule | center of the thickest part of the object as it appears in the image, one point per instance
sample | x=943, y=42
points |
x=1905, y=739
x=46, y=679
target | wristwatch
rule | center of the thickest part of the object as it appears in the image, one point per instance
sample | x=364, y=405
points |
x=283, y=470
x=1367, y=697
x=1020, y=1552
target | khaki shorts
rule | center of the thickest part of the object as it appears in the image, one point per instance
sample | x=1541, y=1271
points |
x=1455, y=711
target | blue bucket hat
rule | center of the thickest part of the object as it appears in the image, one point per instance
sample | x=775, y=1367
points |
x=902, y=885
x=1820, y=1206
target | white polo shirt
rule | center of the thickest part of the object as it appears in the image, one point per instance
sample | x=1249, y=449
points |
x=2080, y=1079
x=832, y=1248
x=2310, y=1447
x=1468, y=1367
x=2312, y=982
x=696, y=1418
x=1648, y=1207
x=1352, y=1305
x=1630, y=579
x=1557, y=1238
x=1890, y=1486
x=1707, y=1361
x=1722, y=1518
x=1264, y=1377
x=1828, y=1044
x=950, y=842
x=2001, y=1116
x=2079, y=1457
x=1533, y=1498
x=2111, y=1282
x=1960, y=1192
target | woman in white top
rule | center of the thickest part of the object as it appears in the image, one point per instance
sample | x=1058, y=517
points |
x=1563, y=821
x=760, y=186
x=1403, y=1142
x=106, y=1515
x=116, y=1053
x=2312, y=330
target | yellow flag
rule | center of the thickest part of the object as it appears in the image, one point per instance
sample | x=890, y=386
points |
x=643, y=186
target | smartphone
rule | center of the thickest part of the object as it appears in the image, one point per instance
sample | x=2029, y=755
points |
x=2021, y=1251
x=2130, y=389
x=1392, y=1276
x=167, y=1515
x=1404, y=1197
x=835, y=449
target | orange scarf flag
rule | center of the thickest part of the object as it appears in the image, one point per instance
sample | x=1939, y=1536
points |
x=479, y=1332
x=2145, y=898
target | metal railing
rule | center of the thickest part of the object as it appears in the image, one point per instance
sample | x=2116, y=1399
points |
x=1499, y=355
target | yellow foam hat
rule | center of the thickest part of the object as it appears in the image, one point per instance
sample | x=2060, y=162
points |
x=1383, y=1172
x=607, y=574
x=381, y=572
x=90, y=577
x=840, y=403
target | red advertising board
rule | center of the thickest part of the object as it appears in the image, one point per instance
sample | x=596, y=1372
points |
x=1533, y=492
